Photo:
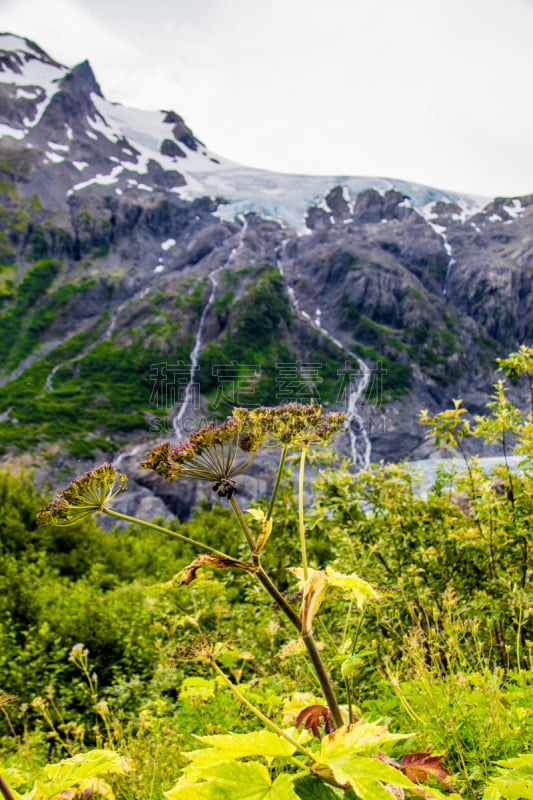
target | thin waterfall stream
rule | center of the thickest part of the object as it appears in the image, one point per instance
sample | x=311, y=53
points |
x=188, y=396
x=360, y=447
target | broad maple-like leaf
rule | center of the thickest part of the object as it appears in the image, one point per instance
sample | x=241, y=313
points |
x=418, y=766
x=314, y=717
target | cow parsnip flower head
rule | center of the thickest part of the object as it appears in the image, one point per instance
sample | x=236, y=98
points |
x=83, y=497
x=292, y=425
x=209, y=455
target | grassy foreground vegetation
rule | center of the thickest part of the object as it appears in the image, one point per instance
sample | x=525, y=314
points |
x=404, y=663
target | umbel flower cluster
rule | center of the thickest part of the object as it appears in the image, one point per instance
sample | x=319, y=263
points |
x=83, y=497
x=292, y=425
x=210, y=453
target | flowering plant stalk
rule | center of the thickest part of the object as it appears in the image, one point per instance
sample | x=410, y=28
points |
x=219, y=455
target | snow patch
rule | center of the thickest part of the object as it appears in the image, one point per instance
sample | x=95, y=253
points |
x=100, y=179
x=56, y=146
x=80, y=164
x=159, y=268
x=514, y=208
x=54, y=157
x=7, y=130
x=168, y=244
x=26, y=92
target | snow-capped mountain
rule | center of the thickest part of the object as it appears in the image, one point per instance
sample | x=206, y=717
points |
x=85, y=141
x=148, y=282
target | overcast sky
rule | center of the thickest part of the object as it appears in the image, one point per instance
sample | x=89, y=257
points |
x=434, y=91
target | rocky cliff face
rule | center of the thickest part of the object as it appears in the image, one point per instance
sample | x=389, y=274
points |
x=147, y=284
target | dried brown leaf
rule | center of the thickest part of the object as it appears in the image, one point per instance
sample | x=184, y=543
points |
x=188, y=574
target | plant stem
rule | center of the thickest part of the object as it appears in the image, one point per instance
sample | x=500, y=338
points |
x=291, y=614
x=242, y=522
x=164, y=530
x=323, y=677
x=274, y=592
x=348, y=689
x=348, y=681
x=301, y=512
x=278, y=481
x=268, y=722
x=4, y=788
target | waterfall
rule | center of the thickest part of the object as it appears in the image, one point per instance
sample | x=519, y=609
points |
x=117, y=461
x=360, y=446
x=177, y=422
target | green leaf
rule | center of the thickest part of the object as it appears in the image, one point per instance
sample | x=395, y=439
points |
x=189, y=791
x=311, y=788
x=491, y=793
x=229, y=747
x=282, y=788
x=79, y=770
x=249, y=781
x=513, y=783
x=523, y=760
x=199, y=687
x=361, y=590
x=86, y=765
x=258, y=743
x=363, y=738
x=348, y=767
x=514, y=789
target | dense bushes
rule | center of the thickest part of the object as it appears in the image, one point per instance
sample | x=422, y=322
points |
x=60, y=586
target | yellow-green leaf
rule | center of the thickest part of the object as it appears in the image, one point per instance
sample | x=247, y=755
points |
x=238, y=781
x=79, y=772
x=348, y=766
x=87, y=765
x=228, y=747
x=257, y=743
x=361, y=590
x=364, y=738
x=514, y=790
